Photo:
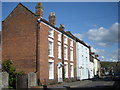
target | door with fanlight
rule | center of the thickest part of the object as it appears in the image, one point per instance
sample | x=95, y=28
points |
x=59, y=69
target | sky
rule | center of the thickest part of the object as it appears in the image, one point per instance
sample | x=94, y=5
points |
x=96, y=23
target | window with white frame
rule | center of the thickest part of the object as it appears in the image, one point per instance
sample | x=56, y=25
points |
x=59, y=36
x=86, y=50
x=71, y=43
x=86, y=59
x=66, y=70
x=51, y=32
x=82, y=48
x=82, y=71
x=59, y=50
x=65, y=52
x=50, y=48
x=51, y=69
x=71, y=54
x=65, y=40
x=82, y=58
x=72, y=70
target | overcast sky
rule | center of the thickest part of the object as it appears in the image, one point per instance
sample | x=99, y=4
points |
x=96, y=23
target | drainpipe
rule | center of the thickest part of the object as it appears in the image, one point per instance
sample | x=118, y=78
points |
x=37, y=46
x=37, y=61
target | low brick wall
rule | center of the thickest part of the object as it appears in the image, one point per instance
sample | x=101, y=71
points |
x=4, y=80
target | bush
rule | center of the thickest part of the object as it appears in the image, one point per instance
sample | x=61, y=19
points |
x=7, y=66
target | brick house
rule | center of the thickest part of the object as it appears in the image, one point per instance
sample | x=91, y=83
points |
x=37, y=45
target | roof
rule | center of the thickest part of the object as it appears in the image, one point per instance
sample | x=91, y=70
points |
x=43, y=20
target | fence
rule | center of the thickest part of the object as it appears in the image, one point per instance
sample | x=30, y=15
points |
x=26, y=81
x=22, y=81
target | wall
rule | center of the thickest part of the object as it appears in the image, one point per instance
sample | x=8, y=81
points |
x=43, y=73
x=82, y=61
x=4, y=80
x=91, y=69
x=95, y=66
x=19, y=39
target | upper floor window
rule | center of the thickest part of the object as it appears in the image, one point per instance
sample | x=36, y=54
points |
x=59, y=36
x=51, y=33
x=50, y=48
x=86, y=59
x=65, y=40
x=71, y=54
x=65, y=53
x=82, y=48
x=59, y=50
x=71, y=43
x=86, y=50
x=82, y=58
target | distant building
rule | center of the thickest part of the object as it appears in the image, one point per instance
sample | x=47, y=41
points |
x=96, y=65
x=91, y=65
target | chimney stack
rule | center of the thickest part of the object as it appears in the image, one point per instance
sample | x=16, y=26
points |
x=39, y=10
x=52, y=18
x=62, y=27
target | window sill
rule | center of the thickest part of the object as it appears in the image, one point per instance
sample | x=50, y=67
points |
x=51, y=78
x=71, y=46
x=59, y=58
x=50, y=55
x=67, y=77
x=66, y=59
x=59, y=40
x=72, y=76
x=51, y=37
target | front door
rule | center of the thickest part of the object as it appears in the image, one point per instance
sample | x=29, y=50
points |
x=59, y=69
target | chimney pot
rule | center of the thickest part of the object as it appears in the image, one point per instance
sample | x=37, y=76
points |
x=52, y=18
x=62, y=27
x=39, y=10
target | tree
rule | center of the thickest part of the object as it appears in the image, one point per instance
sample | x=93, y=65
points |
x=7, y=66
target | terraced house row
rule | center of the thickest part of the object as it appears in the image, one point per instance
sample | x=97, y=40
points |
x=37, y=45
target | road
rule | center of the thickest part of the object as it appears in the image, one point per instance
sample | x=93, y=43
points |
x=94, y=83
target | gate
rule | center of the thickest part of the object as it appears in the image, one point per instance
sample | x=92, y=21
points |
x=22, y=81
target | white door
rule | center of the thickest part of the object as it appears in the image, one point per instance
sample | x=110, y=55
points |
x=59, y=69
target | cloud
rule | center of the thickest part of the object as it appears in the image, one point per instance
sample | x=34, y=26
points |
x=102, y=36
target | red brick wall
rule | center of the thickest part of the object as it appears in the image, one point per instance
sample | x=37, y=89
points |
x=43, y=52
x=19, y=39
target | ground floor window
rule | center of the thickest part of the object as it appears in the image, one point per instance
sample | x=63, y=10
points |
x=51, y=69
x=72, y=70
x=66, y=69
